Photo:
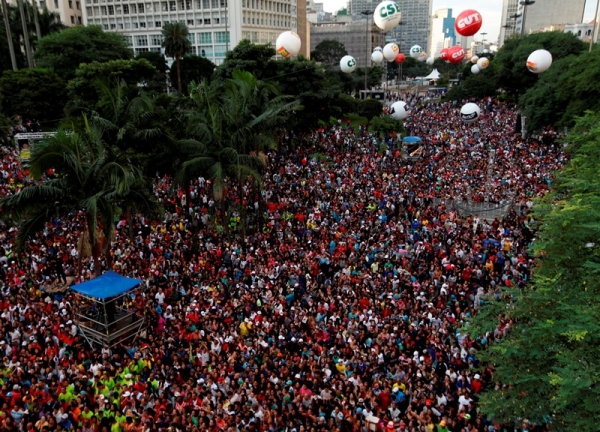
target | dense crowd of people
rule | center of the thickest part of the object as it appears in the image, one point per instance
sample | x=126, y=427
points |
x=340, y=310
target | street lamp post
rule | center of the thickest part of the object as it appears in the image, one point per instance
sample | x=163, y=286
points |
x=366, y=14
x=483, y=41
x=595, y=26
x=525, y=3
x=401, y=23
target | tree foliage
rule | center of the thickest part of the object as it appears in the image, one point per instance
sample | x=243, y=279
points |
x=329, y=52
x=193, y=68
x=386, y=125
x=246, y=56
x=369, y=108
x=65, y=51
x=33, y=93
x=83, y=88
x=547, y=367
x=411, y=68
x=176, y=45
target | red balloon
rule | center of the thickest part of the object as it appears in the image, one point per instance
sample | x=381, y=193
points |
x=400, y=58
x=444, y=54
x=456, y=54
x=468, y=22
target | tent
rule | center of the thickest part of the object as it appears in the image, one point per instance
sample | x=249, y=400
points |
x=434, y=75
x=101, y=312
x=411, y=139
x=109, y=284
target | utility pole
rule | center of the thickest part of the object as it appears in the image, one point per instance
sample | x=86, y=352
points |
x=36, y=20
x=593, y=38
x=9, y=38
x=366, y=14
x=525, y=3
x=25, y=35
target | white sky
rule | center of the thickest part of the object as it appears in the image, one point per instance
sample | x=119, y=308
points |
x=490, y=9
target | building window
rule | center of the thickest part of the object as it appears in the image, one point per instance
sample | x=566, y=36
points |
x=70, y=4
x=113, y=26
x=141, y=40
x=79, y=20
x=55, y=4
x=221, y=37
x=72, y=19
x=156, y=39
x=140, y=7
x=206, y=21
x=111, y=10
x=126, y=9
x=42, y=4
x=190, y=22
x=192, y=38
x=142, y=25
x=158, y=24
x=103, y=10
x=172, y=6
x=78, y=4
x=205, y=38
x=205, y=4
x=141, y=50
x=156, y=50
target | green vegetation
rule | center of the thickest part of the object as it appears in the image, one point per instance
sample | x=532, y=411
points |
x=547, y=365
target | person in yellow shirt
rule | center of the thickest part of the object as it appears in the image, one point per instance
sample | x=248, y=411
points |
x=245, y=327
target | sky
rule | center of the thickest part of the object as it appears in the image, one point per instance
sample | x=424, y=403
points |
x=491, y=10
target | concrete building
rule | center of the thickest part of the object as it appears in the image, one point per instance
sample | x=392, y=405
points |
x=359, y=37
x=509, y=9
x=442, y=34
x=582, y=31
x=545, y=13
x=215, y=25
x=70, y=11
x=416, y=16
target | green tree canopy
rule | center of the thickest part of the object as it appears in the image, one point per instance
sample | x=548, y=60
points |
x=193, y=68
x=410, y=68
x=369, y=108
x=547, y=367
x=176, y=45
x=477, y=86
x=33, y=93
x=329, y=52
x=513, y=76
x=82, y=89
x=65, y=51
x=158, y=82
x=246, y=56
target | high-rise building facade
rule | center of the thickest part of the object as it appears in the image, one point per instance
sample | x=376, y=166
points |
x=510, y=8
x=215, y=25
x=416, y=16
x=442, y=34
x=70, y=11
x=545, y=13
x=359, y=37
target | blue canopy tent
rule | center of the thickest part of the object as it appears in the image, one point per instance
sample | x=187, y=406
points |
x=108, y=285
x=411, y=140
x=103, y=314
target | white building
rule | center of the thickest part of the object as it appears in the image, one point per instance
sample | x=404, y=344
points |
x=70, y=11
x=215, y=25
x=509, y=9
x=544, y=13
x=582, y=31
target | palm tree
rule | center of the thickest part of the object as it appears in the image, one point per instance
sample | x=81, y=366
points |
x=176, y=45
x=50, y=22
x=231, y=121
x=91, y=177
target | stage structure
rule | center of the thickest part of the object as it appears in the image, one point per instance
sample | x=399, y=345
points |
x=105, y=312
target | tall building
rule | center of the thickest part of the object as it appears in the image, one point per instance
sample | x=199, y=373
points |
x=70, y=11
x=215, y=25
x=416, y=15
x=509, y=9
x=544, y=13
x=442, y=33
x=358, y=36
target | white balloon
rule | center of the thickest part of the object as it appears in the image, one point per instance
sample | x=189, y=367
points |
x=422, y=57
x=377, y=57
x=430, y=61
x=387, y=15
x=390, y=51
x=474, y=59
x=483, y=63
x=474, y=69
x=288, y=44
x=470, y=113
x=378, y=48
x=399, y=110
x=539, y=61
x=347, y=64
x=415, y=51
